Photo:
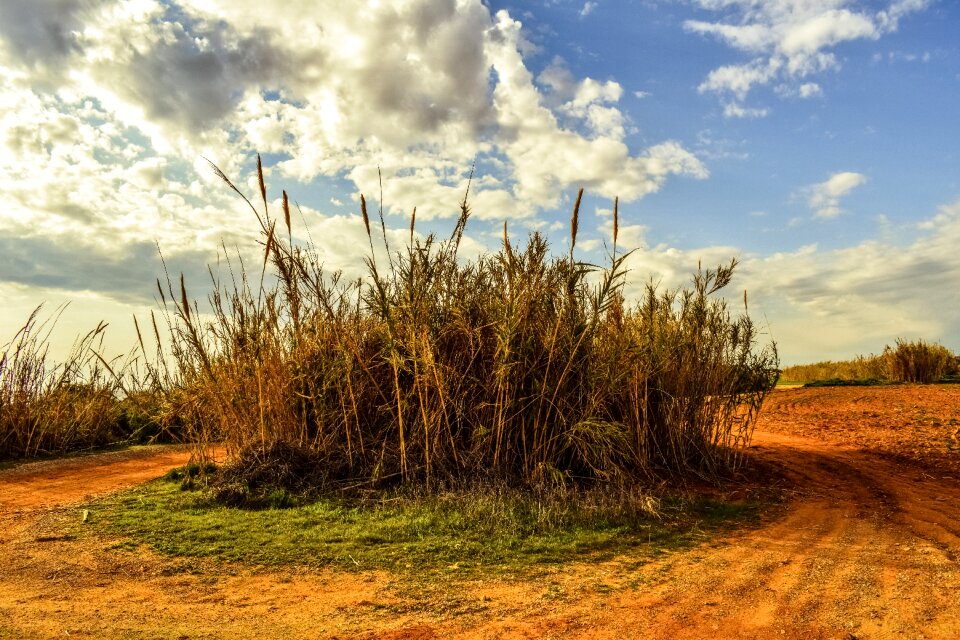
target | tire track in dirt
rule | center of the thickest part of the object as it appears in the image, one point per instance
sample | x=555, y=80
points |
x=863, y=552
x=55, y=483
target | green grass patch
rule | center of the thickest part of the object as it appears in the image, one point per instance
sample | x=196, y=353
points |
x=838, y=382
x=783, y=383
x=500, y=530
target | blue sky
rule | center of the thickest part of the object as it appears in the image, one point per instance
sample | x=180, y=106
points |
x=815, y=140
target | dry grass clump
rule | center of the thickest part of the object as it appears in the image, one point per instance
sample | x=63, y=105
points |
x=519, y=366
x=918, y=361
x=907, y=361
x=272, y=476
x=46, y=407
x=861, y=368
x=49, y=407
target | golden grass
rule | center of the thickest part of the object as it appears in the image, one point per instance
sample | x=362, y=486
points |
x=518, y=366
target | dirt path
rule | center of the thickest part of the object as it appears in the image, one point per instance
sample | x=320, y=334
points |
x=55, y=483
x=868, y=548
x=29, y=490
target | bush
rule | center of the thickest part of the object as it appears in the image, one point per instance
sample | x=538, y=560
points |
x=520, y=366
x=918, y=361
x=861, y=368
x=81, y=403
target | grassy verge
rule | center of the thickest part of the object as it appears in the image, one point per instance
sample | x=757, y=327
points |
x=787, y=384
x=499, y=531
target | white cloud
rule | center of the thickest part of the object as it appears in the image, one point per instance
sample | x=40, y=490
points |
x=547, y=157
x=810, y=90
x=734, y=110
x=108, y=109
x=803, y=91
x=824, y=198
x=738, y=79
x=788, y=41
x=587, y=9
x=859, y=298
x=405, y=86
x=865, y=296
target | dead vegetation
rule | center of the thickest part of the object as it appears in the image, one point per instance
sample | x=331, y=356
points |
x=912, y=361
x=521, y=365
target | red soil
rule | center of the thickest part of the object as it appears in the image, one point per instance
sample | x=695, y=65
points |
x=867, y=548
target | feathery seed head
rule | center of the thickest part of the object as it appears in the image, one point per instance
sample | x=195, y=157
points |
x=616, y=219
x=183, y=299
x=575, y=219
x=366, y=217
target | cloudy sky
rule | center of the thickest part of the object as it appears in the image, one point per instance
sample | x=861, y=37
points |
x=815, y=140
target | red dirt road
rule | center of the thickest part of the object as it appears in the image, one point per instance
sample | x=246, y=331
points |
x=867, y=547
x=56, y=483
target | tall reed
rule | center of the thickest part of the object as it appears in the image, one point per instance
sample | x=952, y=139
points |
x=918, y=361
x=861, y=368
x=520, y=365
x=48, y=407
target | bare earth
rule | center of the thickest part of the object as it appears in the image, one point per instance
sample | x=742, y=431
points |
x=867, y=548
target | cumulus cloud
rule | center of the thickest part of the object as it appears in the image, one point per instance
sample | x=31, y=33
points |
x=824, y=197
x=859, y=298
x=109, y=110
x=865, y=296
x=42, y=33
x=547, y=157
x=788, y=41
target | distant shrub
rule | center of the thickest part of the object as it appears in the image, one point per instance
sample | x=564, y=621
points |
x=840, y=382
x=860, y=368
x=918, y=361
x=49, y=407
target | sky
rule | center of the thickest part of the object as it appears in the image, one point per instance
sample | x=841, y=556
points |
x=816, y=141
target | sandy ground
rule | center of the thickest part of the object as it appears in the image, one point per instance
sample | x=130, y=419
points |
x=867, y=547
